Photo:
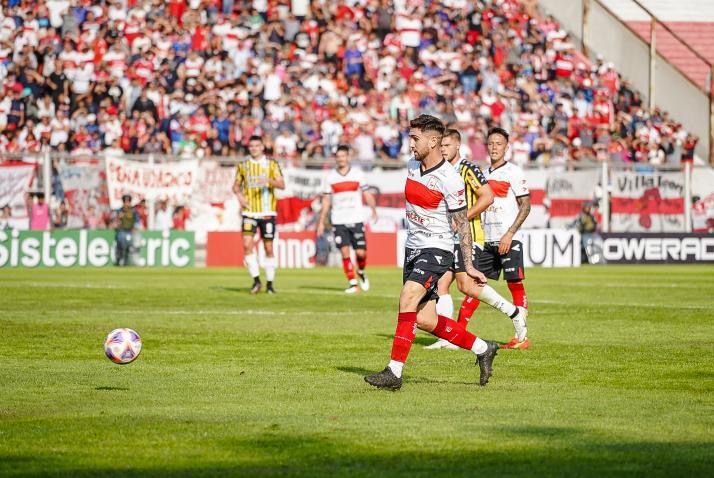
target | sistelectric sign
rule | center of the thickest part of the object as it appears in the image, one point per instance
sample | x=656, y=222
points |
x=660, y=248
x=91, y=248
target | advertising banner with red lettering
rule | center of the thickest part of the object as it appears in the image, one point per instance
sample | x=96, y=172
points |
x=173, y=181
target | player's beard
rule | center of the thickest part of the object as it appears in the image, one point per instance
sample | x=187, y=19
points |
x=420, y=155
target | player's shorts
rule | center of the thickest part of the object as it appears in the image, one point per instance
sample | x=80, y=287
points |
x=350, y=235
x=426, y=266
x=266, y=226
x=459, y=264
x=490, y=262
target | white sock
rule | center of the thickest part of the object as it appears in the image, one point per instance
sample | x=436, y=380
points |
x=251, y=262
x=494, y=299
x=396, y=368
x=480, y=346
x=445, y=306
x=270, y=264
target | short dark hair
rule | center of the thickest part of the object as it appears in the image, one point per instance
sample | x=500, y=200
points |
x=256, y=137
x=428, y=123
x=452, y=132
x=343, y=147
x=497, y=130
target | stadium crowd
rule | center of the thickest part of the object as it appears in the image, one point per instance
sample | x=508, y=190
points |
x=199, y=77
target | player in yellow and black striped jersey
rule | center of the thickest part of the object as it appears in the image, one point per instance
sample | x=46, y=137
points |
x=256, y=181
x=479, y=196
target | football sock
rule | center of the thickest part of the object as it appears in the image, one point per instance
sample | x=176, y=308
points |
x=445, y=306
x=269, y=285
x=348, y=268
x=361, y=263
x=451, y=331
x=480, y=346
x=518, y=292
x=494, y=299
x=396, y=368
x=251, y=262
x=270, y=264
x=467, y=309
x=403, y=336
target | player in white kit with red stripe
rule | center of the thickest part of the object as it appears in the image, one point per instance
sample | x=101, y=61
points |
x=435, y=210
x=342, y=198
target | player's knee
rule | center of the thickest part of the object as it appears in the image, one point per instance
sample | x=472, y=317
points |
x=409, y=299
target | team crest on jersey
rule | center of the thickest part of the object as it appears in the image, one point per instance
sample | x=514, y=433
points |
x=433, y=183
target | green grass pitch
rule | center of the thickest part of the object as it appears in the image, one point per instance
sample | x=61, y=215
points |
x=618, y=380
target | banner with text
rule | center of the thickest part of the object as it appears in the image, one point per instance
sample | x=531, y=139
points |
x=172, y=181
x=658, y=248
x=647, y=202
x=93, y=248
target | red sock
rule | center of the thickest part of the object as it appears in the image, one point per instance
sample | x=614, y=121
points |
x=348, y=268
x=450, y=330
x=404, y=336
x=361, y=262
x=518, y=292
x=467, y=309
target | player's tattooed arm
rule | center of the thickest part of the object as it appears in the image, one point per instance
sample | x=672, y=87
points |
x=460, y=225
x=524, y=208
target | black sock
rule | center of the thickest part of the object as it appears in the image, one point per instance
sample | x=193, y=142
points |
x=270, y=284
x=256, y=280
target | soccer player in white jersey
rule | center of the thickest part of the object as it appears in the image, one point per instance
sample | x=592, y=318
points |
x=501, y=222
x=435, y=210
x=342, y=195
x=479, y=196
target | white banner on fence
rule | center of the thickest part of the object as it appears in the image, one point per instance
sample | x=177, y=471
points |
x=647, y=202
x=214, y=206
x=14, y=182
x=567, y=192
x=173, y=181
x=82, y=184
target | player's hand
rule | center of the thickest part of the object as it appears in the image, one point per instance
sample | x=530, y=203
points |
x=504, y=245
x=243, y=202
x=320, y=230
x=477, y=275
x=374, y=216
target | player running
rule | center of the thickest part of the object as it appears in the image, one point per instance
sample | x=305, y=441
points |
x=255, y=185
x=342, y=195
x=501, y=223
x=435, y=210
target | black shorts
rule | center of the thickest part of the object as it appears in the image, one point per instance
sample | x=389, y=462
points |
x=426, y=266
x=350, y=235
x=490, y=262
x=459, y=264
x=266, y=225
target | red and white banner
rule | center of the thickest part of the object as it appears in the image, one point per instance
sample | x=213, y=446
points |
x=647, y=202
x=82, y=183
x=173, y=181
x=214, y=206
x=15, y=180
x=567, y=192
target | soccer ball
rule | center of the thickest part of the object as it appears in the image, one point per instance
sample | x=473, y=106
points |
x=122, y=346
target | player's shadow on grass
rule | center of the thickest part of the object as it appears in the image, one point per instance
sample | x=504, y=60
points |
x=419, y=340
x=322, y=288
x=231, y=289
x=119, y=389
x=355, y=370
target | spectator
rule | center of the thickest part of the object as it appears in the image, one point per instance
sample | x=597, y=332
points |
x=6, y=217
x=39, y=212
x=164, y=217
x=125, y=221
x=180, y=216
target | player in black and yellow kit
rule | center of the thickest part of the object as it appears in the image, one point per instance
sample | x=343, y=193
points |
x=478, y=197
x=255, y=185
